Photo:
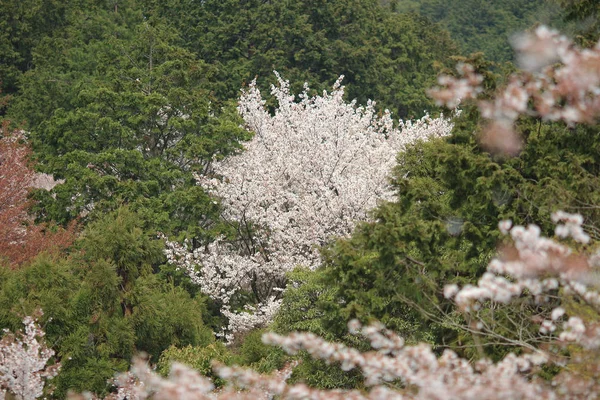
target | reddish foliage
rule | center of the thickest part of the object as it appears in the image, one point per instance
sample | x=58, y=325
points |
x=20, y=238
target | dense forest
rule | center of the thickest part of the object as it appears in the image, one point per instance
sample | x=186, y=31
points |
x=193, y=182
x=487, y=26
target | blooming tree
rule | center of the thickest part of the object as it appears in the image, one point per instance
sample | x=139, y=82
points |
x=313, y=169
x=558, y=274
x=23, y=359
x=20, y=238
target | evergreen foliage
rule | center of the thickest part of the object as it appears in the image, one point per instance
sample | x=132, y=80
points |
x=130, y=127
x=385, y=57
x=129, y=101
x=199, y=358
x=483, y=25
x=22, y=24
x=103, y=305
x=584, y=14
x=442, y=228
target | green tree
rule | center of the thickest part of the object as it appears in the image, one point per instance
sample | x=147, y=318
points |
x=22, y=24
x=387, y=57
x=132, y=125
x=483, y=25
x=311, y=304
x=442, y=228
x=584, y=13
x=103, y=304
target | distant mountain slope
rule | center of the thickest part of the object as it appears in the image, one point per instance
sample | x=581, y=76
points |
x=484, y=25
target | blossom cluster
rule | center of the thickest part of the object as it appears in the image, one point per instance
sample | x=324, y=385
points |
x=559, y=82
x=534, y=263
x=418, y=368
x=312, y=170
x=23, y=359
x=392, y=371
x=184, y=383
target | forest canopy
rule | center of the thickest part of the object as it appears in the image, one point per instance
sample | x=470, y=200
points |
x=305, y=172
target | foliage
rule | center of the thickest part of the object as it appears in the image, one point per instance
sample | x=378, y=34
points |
x=483, y=25
x=441, y=228
x=198, y=358
x=259, y=356
x=103, y=304
x=132, y=130
x=20, y=239
x=120, y=239
x=309, y=305
x=163, y=314
x=121, y=96
x=130, y=104
x=537, y=268
x=384, y=56
x=22, y=24
x=584, y=13
x=451, y=194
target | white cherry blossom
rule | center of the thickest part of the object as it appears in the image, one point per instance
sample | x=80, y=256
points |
x=313, y=169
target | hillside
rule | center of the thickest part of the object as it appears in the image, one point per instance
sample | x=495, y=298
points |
x=482, y=25
x=270, y=183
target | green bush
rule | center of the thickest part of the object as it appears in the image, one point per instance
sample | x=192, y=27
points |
x=259, y=356
x=198, y=358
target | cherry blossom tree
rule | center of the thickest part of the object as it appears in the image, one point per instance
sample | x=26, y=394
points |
x=23, y=359
x=313, y=169
x=20, y=238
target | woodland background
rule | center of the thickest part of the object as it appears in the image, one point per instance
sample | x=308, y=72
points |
x=124, y=103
